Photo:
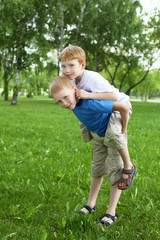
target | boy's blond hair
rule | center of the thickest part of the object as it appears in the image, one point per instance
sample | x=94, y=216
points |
x=72, y=52
x=58, y=84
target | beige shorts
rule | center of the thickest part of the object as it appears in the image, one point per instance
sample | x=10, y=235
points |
x=87, y=136
x=105, y=161
x=113, y=136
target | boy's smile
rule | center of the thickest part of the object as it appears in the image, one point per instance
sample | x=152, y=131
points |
x=73, y=69
x=66, y=98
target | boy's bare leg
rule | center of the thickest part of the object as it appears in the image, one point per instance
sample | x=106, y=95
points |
x=127, y=162
x=114, y=198
x=126, y=158
x=95, y=186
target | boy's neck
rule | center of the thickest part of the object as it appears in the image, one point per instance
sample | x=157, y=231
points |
x=78, y=79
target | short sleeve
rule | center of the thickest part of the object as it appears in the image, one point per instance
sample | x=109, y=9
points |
x=100, y=106
x=99, y=84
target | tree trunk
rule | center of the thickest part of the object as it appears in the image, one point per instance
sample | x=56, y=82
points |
x=15, y=92
x=115, y=72
x=14, y=98
x=62, y=31
x=5, y=92
x=122, y=80
x=58, y=65
x=6, y=97
x=6, y=84
x=81, y=16
x=109, y=75
x=5, y=76
x=133, y=86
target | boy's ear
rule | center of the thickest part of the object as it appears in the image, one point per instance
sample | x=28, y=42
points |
x=83, y=64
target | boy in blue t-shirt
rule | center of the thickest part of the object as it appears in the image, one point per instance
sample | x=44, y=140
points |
x=95, y=115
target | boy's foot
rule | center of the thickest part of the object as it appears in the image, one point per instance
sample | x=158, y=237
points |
x=107, y=220
x=86, y=209
x=126, y=180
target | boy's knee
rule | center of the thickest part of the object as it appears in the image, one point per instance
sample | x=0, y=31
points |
x=116, y=141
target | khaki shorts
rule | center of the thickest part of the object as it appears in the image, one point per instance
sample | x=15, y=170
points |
x=105, y=161
x=113, y=136
x=87, y=136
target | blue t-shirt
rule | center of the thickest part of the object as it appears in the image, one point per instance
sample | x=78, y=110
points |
x=94, y=114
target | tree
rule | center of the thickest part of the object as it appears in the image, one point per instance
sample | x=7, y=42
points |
x=20, y=28
x=113, y=35
x=115, y=39
x=150, y=88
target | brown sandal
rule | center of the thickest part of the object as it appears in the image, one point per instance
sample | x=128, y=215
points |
x=128, y=181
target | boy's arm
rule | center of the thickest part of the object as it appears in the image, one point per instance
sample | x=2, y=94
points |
x=123, y=108
x=82, y=94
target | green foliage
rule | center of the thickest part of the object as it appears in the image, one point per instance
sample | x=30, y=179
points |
x=45, y=175
x=154, y=23
x=112, y=33
x=150, y=88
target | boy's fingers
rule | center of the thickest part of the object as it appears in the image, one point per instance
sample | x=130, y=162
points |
x=77, y=94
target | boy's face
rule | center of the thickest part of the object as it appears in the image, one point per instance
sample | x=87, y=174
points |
x=73, y=69
x=66, y=98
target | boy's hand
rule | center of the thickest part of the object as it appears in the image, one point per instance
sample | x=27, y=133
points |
x=81, y=94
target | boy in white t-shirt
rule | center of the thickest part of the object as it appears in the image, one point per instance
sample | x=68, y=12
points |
x=91, y=85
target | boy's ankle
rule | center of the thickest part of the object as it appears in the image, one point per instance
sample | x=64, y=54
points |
x=128, y=166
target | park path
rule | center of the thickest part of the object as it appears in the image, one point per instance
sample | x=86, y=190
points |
x=149, y=100
x=132, y=100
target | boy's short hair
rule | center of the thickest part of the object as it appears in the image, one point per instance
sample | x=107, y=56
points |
x=59, y=83
x=72, y=52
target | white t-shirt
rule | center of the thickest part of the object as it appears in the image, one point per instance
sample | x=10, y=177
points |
x=94, y=82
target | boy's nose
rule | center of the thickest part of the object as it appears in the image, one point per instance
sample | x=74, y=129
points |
x=64, y=103
x=67, y=69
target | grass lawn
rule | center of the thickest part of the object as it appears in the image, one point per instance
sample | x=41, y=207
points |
x=45, y=175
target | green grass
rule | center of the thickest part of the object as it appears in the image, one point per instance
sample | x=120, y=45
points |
x=45, y=175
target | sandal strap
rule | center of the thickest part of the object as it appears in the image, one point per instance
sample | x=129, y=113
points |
x=89, y=208
x=104, y=222
x=127, y=171
x=114, y=218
